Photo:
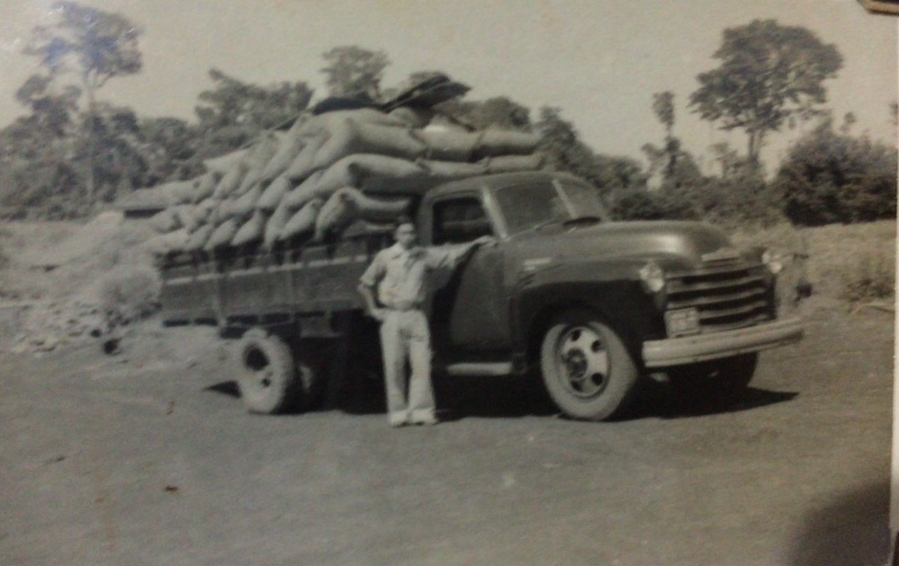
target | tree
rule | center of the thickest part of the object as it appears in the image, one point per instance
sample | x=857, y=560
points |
x=93, y=45
x=233, y=112
x=769, y=75
x=565, y=151
x=677, y=166
x=352, y=71
x=829, y=176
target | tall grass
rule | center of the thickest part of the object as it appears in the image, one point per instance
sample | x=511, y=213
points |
x=848, y=262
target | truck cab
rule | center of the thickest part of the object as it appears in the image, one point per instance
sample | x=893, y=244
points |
x=595, y=305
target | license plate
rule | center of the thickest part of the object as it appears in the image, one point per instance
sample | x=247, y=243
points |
x=682, y=322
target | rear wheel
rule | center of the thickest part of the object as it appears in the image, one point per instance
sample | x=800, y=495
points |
x=271, y=378
x=587, y=370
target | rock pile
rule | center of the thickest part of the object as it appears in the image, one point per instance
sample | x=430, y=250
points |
x=327, y=172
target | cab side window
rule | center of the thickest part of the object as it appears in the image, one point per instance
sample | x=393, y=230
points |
x=460, y=220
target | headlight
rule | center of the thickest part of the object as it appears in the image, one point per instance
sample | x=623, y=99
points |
x=774, y=260
x=653, y=277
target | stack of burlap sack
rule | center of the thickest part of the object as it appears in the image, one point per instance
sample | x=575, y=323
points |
x=324, y=174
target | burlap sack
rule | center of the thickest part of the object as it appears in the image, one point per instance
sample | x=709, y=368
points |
x=198, y=238
x=303, y=221
x=514, y=163
x=448, y=144
x=274, y=226
x=329, y=120
x=372, y=208
x=356, y=170
x=252, y=230
x=246, y=203
x=162, y=244
x=205, y=185
x=303, y=193
x=494, y=142
x=273, y=193
x=349, y=138
x=225, y=163
x=448, y=170
x=222, y=235
x=164, y=221
x=187, y=217
x=336, y=213
x=412, y=117
x=260, y=154
x=178, y=192
x=229, y=183
x=290, y=147
x=303, y=164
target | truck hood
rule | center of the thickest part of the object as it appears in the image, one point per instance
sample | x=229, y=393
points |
x=675, y=245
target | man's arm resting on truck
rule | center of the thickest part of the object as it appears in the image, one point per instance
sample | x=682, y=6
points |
x=450, y=256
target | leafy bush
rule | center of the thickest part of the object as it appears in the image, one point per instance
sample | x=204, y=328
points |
x=872, y=277
x=832, y=177
x=128, y=294
x=731, y=202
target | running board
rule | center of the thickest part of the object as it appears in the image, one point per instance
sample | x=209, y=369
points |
x=491, y=369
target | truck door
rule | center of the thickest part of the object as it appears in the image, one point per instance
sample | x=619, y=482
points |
x=470, y=309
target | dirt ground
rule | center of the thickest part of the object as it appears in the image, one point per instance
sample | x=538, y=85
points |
x=148, y=457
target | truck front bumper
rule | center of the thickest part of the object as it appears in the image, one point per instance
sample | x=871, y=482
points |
x=691, y=349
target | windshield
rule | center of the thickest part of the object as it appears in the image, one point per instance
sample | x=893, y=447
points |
x=530, y=206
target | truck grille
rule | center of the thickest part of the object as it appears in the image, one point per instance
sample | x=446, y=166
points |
x=724, y=298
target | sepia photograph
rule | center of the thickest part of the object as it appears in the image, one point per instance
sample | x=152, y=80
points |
x=504, y=282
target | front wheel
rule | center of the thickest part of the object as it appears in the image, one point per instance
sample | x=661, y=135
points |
x=587, y=369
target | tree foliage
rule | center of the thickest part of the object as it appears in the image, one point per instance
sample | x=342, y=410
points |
x=93, y=46
x=234, y=112
x=675, y=165
x=830, y=176
x=616, y=178
x=769, y=75
x=352, y=71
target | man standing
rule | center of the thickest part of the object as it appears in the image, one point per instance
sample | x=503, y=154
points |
x=399, y=274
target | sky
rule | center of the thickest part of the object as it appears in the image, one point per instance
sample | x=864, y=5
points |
x=599, y=61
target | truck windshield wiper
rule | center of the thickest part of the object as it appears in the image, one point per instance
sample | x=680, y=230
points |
x=582, y=220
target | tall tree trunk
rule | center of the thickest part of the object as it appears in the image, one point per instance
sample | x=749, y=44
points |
x=91, y=138
x=755, y=147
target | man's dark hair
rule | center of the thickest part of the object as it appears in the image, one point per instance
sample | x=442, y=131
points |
x=402, y=219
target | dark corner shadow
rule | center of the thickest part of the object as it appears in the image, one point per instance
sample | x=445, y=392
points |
x=660, y=401
x=853, y=530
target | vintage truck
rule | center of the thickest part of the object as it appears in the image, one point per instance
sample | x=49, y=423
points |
x=595, y=306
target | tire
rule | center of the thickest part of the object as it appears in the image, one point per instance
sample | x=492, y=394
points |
x=270, y=379
x=586, y=367
x=719, y=381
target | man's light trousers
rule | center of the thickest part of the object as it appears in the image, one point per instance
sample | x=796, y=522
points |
x=405, y=335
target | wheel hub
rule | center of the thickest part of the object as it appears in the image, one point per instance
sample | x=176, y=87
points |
x=584, y=361
x=575, y=364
